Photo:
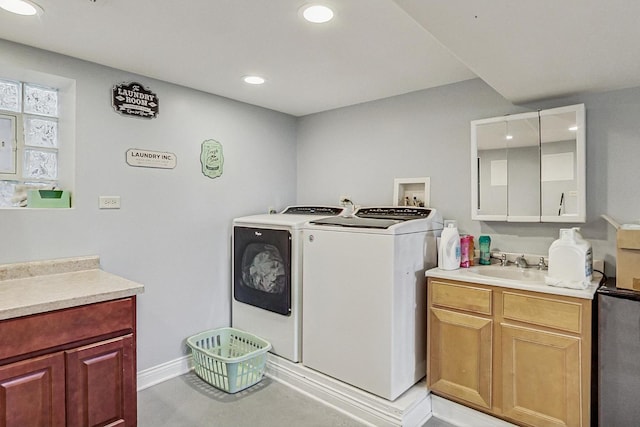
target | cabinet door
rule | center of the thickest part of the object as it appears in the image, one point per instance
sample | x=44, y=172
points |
x=460, y=356
x=529, y=167
x=541, y=377
x=101, y=384
x=32, y=392
x=563, y=164
x=505, y=168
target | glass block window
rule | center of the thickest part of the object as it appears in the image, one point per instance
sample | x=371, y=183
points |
x=7, y=191
x=40, y=100
x=28, y=140
x=10, y=95
x=40, y=132
x=40, y=165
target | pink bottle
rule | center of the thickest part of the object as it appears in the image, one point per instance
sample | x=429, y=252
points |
x=466, y=251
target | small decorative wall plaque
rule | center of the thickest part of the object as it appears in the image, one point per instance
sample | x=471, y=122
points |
x=133, y=99
x=151, y=159
x=211, y=158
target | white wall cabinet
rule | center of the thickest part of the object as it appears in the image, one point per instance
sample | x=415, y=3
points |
x=529, y=167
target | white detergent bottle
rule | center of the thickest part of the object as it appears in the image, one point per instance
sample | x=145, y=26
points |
x=588, y=265
x=449, y=256
x=570, y=261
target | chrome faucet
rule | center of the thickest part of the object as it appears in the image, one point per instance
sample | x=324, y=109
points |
x=521, y=262
x=503, y=260
x=541, y=264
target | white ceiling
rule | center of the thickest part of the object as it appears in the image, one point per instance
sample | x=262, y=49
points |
x=530, y=50
x=372, y=49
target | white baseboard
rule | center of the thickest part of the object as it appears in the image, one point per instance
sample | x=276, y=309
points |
x=412, y=409
x=462, y=416
x=166, y=371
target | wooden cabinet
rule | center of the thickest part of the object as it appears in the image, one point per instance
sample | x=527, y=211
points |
x=100, y=383
x=32, y=392
x=461, y=356
x=73, y=367
x=541, y=377
x=518, y=355
x=460, y=329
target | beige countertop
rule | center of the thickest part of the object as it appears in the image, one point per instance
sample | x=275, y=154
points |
x=470, y=275
x=41, y=286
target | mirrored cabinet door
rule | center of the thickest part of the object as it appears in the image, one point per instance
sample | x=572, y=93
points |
x=505, y=164
x=489, y=169
x=562, y=163
x=523, y=166
x=529, y=167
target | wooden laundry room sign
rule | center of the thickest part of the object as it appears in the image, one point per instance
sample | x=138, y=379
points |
x=133, y=99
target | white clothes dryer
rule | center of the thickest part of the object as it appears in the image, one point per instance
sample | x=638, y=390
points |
x=267, y=276
x=365, y=296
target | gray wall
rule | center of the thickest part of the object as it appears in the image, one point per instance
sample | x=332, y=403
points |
x=172, y=233
x=359, y=150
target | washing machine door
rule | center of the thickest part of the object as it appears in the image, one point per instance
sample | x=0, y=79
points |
x=262, y=268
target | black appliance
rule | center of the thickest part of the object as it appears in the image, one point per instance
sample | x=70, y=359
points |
x=618, y=356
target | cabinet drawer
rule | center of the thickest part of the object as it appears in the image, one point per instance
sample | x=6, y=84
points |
x=549, y=312
x=461, y=297
x=57, y=329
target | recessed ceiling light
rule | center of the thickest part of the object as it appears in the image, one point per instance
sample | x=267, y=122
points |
x=253, y=80
x=509, y=137
x=573, y=128
x=317, y=14
x=21, y=7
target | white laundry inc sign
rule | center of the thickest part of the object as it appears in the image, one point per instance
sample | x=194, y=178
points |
x=151, y=159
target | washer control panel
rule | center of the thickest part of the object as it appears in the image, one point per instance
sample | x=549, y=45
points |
x=313, y=210
x=404, y=213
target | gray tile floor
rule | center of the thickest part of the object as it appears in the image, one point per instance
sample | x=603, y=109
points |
x=187, y=401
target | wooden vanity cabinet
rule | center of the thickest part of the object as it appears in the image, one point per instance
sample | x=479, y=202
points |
x=518, y=355
x=460, y=341
x=33, y=392
x=71, y=367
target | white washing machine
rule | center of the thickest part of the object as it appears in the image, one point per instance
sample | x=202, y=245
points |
x=365, y=296
x=267, y=276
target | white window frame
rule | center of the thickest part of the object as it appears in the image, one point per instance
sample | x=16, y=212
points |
x=14, y=142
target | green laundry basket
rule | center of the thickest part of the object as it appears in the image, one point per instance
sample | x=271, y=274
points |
x=229, y=359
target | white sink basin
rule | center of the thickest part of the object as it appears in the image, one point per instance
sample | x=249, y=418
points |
x=510, y=273
x=530, y=279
